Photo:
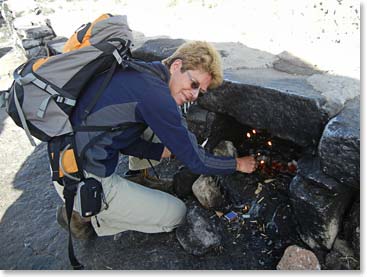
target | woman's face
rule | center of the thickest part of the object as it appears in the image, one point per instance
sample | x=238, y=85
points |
x=185, y=86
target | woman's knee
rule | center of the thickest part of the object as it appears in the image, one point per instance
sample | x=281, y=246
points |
x=178, y=216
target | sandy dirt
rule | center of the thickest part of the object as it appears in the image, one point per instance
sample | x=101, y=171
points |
x=325, y=33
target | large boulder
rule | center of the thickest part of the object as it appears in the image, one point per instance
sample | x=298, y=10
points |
x=339, y=147
x=319, y=204
x=279, y=111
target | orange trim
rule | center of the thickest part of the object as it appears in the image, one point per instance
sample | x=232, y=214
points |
x=71, y=44
x=74, y=44
x=38, y=63
x=68, y=162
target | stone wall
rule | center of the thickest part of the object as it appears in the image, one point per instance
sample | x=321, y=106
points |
x=31, y=31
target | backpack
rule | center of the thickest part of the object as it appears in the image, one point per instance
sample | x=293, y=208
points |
x=45, y=91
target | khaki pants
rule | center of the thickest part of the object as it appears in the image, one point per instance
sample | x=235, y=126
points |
x=134, y=207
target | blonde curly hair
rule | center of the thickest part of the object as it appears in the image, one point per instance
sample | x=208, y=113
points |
x=199, y=55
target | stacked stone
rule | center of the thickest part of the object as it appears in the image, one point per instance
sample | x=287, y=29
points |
x=31, y=31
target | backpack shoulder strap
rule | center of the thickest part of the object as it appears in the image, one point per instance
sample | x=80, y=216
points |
x=70, y=190
x=101, y=89
x=140, y=67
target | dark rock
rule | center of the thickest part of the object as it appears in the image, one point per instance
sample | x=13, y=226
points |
x=157, y=49
x=336, y=261
x=183, y=181
x=339, y=147
x=319, y=203
x=47, y=39
x=199, y=122
x=279, y=111
x=39, y=51
x=351, y=227
x=37, y=32
x=213, y=126
x=198, y=235
x=30, y=43
x=341, y=257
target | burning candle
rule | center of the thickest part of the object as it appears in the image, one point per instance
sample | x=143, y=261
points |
x=254, y=131
x=248, y=135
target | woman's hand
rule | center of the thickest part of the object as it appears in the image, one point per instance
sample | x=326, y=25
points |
x=246, y=164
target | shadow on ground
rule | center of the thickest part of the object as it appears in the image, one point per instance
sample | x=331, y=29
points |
x=4, y=51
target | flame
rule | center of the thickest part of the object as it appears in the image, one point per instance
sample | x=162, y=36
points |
x=269, y=143
x=262, y=162
x=254, y=131
x=248, y=135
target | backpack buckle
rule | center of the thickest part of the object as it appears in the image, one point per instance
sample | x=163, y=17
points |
x=117, y=56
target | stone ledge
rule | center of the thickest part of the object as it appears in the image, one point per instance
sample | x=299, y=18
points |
x=284, y=114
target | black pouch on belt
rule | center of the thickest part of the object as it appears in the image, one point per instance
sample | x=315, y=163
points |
x=90, y=194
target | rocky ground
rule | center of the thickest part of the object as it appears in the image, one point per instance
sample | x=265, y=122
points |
x=31, y=238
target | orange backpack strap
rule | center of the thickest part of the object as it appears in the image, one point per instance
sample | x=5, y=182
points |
x=81, y=36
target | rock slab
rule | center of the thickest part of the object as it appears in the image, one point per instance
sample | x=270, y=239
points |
x=280, y=112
